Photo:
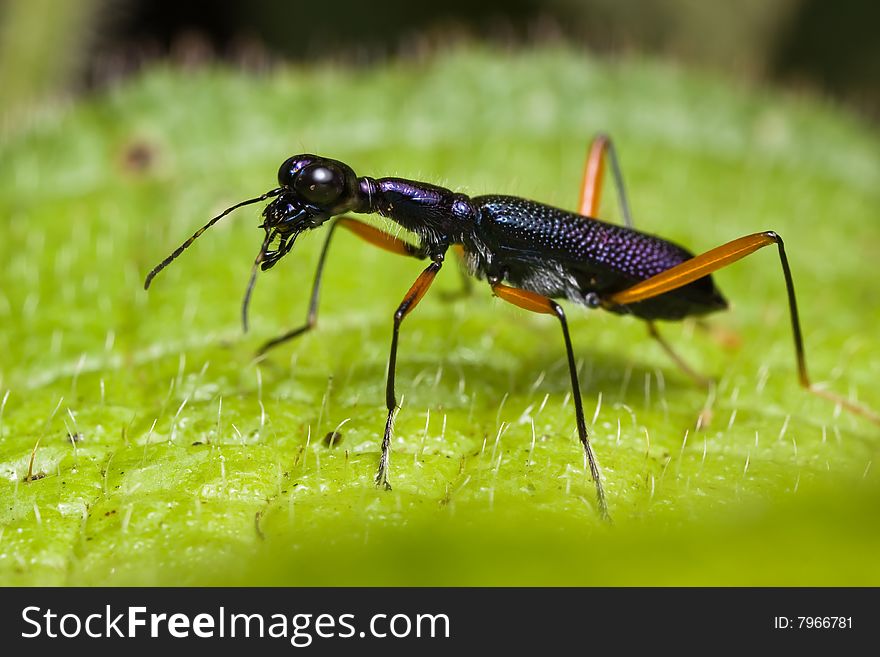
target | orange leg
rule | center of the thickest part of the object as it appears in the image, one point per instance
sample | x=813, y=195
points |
x=721, y=257
x=594, y=172
x=377, y=237
x=601, y=149
x=410, y=301
x=540, y=304
x=367, y=233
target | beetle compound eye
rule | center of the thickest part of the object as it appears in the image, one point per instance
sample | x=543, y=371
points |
x=320, y=184
x=287, y=171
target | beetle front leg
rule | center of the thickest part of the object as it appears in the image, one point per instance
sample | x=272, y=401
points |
x=410, y=301
x=367, y=233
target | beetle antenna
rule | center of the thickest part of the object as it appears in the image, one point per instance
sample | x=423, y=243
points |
x=253, y=280
x=180, y=249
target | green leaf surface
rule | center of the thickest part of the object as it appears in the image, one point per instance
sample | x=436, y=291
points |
x=193, y=463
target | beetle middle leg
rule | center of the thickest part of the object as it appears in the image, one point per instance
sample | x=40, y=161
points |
x=410, y=301
x=366, y=232
x=540, y=304
x=602, y=149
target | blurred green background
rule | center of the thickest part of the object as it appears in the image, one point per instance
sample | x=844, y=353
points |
x=47, y=47
x=160, y=452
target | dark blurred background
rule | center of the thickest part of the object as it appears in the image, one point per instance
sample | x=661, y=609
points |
x=50, y=49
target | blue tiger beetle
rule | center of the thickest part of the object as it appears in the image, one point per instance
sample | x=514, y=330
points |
x=528, y=252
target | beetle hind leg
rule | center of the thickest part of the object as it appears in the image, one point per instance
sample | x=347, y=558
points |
x=718, y=258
